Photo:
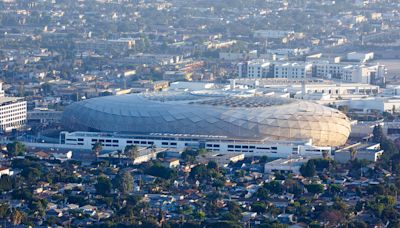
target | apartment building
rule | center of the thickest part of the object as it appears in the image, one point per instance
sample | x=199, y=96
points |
x=259, y=69
x=294, y=70
x=13, y=112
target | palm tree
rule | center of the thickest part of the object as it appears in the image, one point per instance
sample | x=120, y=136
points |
x=132, y=151
x=124, y=182
x=119, y=156
x=353, y=153
x=97, y=147
x=325, y=154
x=153, y=148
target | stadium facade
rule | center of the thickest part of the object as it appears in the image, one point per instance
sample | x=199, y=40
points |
x=252, y=124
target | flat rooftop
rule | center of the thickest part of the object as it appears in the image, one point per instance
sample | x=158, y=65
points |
x=221, y=155
x=288, y=162
x=9, y=100
x=185, y=137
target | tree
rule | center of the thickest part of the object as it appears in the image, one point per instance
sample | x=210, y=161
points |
x=132, y=152
x=388, y=200
x=46, y=88
x=189, y=155
x=15, y=148
x=119, y=153
x=377, y=209
x=96, y=149
x=275, y=187
x=321, y=164
x=124, y=182
x=376, y=189
x=389, y=116
x=359, y=206
x=259, y=207
x=203, y=173
x=31, y=174
x=308, y=169
x=219, y=182
x=335, y=189
x=22, y=194
x=228, y=216
x=325, y=154
x=263, y=159
x=161, y=171
x=353, y=153
x=239, y=173
x=315, y=188
x=200, y=215
x=235, y=210
x=153, y=148
x=38, y=207
x=202, y=151
x=333, y=217
x=6, y=183
x=391, y=157
x=103, y=185
x=388, y=146
x=4, y=210
x=357, y=224
x=212, y=165
x=226, y=224
x=262, y=193
x=377, y=134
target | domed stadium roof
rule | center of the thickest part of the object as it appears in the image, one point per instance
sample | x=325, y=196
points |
x=237, y=117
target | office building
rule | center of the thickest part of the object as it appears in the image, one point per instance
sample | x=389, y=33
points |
x=12, y=112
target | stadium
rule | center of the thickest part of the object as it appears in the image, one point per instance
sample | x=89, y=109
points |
x=263, y=118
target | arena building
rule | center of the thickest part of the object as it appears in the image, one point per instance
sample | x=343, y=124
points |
x=205, y=118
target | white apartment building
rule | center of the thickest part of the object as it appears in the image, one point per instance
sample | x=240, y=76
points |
x=368, y=104
x=327, y=70
x=339, y=89
x=289, y=51
x=259, y=69
x=272, y=34
x=122, y=44
x=353, y=73
x=363, y=74
x=315, y=68
x=377, y=73
x=319, y=57
x=360, y=57
x=349, y=73
x=242, y=69
x=300, y=88
x=12, y=112
x=293, y=70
